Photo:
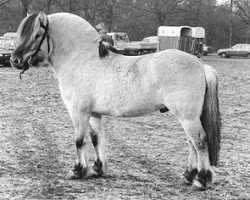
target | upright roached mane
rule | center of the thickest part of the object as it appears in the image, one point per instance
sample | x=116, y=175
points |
x=94, y=81
x=104, y=48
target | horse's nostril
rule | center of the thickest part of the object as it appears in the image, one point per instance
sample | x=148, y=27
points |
x=16, y=61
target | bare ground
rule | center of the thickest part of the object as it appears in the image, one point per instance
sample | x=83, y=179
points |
x=147, y=155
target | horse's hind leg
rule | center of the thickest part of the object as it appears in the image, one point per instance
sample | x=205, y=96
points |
x=98, y=140
x=191, y=171
x=197, y=136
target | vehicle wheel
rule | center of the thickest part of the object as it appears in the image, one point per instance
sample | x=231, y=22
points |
x=223, y=55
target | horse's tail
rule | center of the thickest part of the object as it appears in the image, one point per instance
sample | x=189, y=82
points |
x=210, y=117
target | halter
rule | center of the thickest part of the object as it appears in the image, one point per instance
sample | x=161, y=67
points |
x=29, y=61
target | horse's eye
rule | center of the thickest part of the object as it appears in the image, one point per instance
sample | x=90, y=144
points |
x=37, y=36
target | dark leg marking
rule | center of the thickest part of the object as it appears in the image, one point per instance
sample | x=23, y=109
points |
x=79, y=171
x=163, y=110
x=204, y=176
x=190, y=175
x=79, y=143
x=98, y=167
x=94, y=139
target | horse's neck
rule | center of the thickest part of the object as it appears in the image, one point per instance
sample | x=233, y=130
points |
x=73, y=40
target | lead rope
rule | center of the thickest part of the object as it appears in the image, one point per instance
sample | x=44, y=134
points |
x=26, y=68
x=20, y=74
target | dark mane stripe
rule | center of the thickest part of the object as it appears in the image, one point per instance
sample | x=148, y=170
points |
x=105, y=47
x=27, y=27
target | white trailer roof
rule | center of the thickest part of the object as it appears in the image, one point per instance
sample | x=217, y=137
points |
x=198, y=32
x=174, y=31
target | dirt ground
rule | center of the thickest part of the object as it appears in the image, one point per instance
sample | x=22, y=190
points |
x=147, y=155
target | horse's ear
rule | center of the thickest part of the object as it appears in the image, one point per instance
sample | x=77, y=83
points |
x=42, y=18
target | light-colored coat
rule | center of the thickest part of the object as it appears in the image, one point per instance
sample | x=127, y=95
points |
x=126, y=86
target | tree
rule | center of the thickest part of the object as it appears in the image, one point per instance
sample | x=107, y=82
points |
x=25, y=4
x=162, y=9
x=42, y=5
x=141, y=18
x=243, y=12
x=10, y=15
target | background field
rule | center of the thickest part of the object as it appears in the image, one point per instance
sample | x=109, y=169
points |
x=147, y=155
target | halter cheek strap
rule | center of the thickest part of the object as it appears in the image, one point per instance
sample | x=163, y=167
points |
x=43, y=38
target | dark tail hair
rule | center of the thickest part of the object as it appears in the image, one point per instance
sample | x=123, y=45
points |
x=210, y=117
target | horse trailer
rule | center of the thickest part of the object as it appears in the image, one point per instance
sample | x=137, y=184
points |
x=185, y=38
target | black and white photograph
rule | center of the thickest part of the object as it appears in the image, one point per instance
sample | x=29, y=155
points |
x=124, y=99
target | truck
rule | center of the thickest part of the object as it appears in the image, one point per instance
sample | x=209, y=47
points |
x=7, y=46
x=125, y=47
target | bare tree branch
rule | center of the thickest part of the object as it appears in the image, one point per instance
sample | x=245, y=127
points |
x=3, y=3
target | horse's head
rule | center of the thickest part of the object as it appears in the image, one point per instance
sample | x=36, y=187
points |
x=32, y=48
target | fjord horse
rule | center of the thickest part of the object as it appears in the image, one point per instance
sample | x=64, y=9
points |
x=95, y=81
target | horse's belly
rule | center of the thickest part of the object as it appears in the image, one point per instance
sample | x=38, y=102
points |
x=126, y=106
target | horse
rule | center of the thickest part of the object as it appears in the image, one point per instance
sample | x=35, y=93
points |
x=95, y=80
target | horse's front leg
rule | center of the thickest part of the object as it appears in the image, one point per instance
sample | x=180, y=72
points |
x=98, y=140
x=81, y=124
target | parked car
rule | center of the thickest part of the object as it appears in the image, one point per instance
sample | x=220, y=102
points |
x=7, y=46
x=206, y=50
x=236, y=50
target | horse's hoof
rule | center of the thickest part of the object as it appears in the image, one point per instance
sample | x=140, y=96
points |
x=96, y=173
x=72, y=176
x=98, y=168
x=189, y=176
x=77, y=173
x=184, y=181
x=197, y=186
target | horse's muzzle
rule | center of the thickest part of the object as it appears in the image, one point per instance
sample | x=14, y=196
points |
x=16, y=63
